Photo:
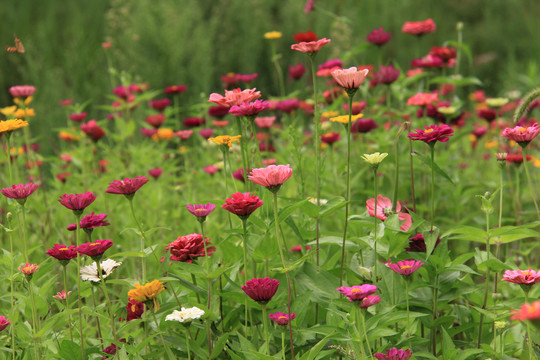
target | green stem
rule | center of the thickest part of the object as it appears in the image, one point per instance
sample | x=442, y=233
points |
x=8, y=153
x=12, y=287
x=265, y=325
x=279, y=71
x=396, y=180
x=432, y=148
x=524, y=153
x=530, y=341
x=194, y=279
x=435, y=314
x=226, y=176
x=100, y=335
x=187, y=344
x=375, y=280
x=251, y=122
x=228, y=161
x=356, y=314
x=22, y=234
x=35, y=319
x=365, y=333
x=411, y=170
x=245, y=161
x=317, y=145
x=244, y=246
x=407, y=301
x=67, y=302
x=484, y=305
x=209, y=281
x=283, y=343
x=167, y=350
x=78, y=220
x=109, y=305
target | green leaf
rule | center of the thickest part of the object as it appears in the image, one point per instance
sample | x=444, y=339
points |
x=427, y=162
x=219, y=345
x=316, y=349
x=285, y=212
x=70, y=350
x=332, y=206
x=430, y=239
x=295, y=264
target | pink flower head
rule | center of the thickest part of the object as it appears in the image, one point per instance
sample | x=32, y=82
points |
x=406, y=267
x=77, y=202
x=78, y=117
x=91, y=221
x=235, y=97
x=386, y=75
x=28, y=269
x=265, y=122
x=149, y=132
x=527, y=277
x=309, y=6
x=428, y=61
x=62, y=295
x=282, y=319
x=432, y=134
x=271, y=177
x=155, y=120
x=194, y=121
x=242, y=204
x=384, y=209
x=332, y=64
x=261, y=290
x=378, y=37
x=296, y=71
x=206, y=133
x=20, y=192
x=357, y=292
x=422, y=99
x=522, y=135
x=529, y=312
x=487, y=114
x=155, y=173
x=160, y=104
x=298, y=248
x=351, y=78
x=65, y=102
x=249, y=109
x=188, y=248
x=175, y=89
x=93, y=130
x=210, y=169
x=419, y=28
x=394, y=354
x=239, y=174
x=311, y=46
x=95, y=249
x=288, y=105
x=370, y=300
x=127, y=186
x=247, y=78
x=22, y=90
x=63, y=252
x=183, y=134
x=200, y=210
x=4, y=322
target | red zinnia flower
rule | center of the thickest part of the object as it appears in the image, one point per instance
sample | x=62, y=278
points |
x=418, y=244
x=93, y=130
x=288, y=105
x=357, y=292
x=419, y=28
x=394, y=354
x=432, y=134
x=297, y=71
x=363, y=125
x=428, y=61
x=282, y=319
x=78, y=117
x=305, y=36
x=134, y=309
x=189, y=247
x=242, y=204
x=4, y=322
x=406, y=267
x=20, y=192
x=155, y=120
x=330, y=138
x=239, y=175
x=218, y=111
x=261, y=290
x=63, y=252
x=194, y=121
x=91, y=221
x=487, y=114
x=96, y=248
x=160, y=104
x=247, y=78
x=126, y=186
x=77, y=202
x=378, y=37
x=311, y=46
x=175, y=89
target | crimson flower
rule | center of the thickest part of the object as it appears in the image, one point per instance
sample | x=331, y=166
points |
x=78, y=117
x=239, y=174
x=305, y=36
x=261, y=289
x=175, y=89
x=378, y=37
x=247, y=78
x=189, y=247
x=63, y=252
x=418, y=244
x=93, y=130
x=95, y=249
x=419, y=28
x=363, y=125
x=4, y=322
x=394, y=354
x=155, y=120
x=406, y=267
x=134, y=309
x=77, y=202
x=20, y=192
x=432, y=134
x=127, y=187
x=428, y=61
x=310, y=47
x=194, y=121
x=242, y=204
x=89, y=222
x=218, y=111
x=160, y=104
x=296, y=71
x=357, y=292
x=282, y=319
x=330, y=138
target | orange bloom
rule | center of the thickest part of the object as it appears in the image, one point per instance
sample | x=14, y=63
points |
x=11, y=125
x=64, y=135
x=23, y=113
x=163, y=134
x=147, y=292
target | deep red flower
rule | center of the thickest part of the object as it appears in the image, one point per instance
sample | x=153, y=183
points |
x=239, y=174
x=247, y=78
x=444, y=53
x=20, y=192
x=93, y=130
x=296, y=71
x=242, y=204
x=77, y=202
x=155, y=120
x=261, y=290
x=96, y=248
x=188, y=248
x=148, y=132
x=357, y=107
x=330, y=138
x=78, y=117
x=419, y=28
x=134, y=309
x=175, y=89
x=517, y=158
x=363, y=125
x=194, y=121
x=62, y=252
x=91, y=221
x=126, y=186
x=305, y=36
x=378, y=37
x=487, y=114
x=418, y=244
x=160, y=104
x=218, y=111
x=433, y=133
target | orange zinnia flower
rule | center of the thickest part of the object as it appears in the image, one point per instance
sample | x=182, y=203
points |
x=11, y=125
x=147, y=292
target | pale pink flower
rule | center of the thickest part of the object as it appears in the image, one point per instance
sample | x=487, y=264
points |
x=311, y=46
x=183, y=134
x=272, y=176
x=527, y=277
x=22, y=90
x=384, y=209
x=265, y=122
x=350, y=78
x=235, y=97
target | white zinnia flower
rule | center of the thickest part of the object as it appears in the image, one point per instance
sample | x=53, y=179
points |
x=89, y=272
x=185, y=315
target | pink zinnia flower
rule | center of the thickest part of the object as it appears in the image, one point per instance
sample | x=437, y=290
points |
x=93, y=130
x=386, y=75
x=522, y=135
x=296, y=71
x=370, y=300
x=271, y=177
x=357, y=292
x=331, y=64
x=309, y=6
x=239, y=174
x=160, y=104
x=201, y=211
x=28, y=269
x=188, y=248
x=529, y=312
x=384, y=209
x=65, y=102
x=155, y=173
x=91, y=221
x=96, y=248
x=77, y=202
x=351, y=78
x=432, y=134
x=149, y=132
x=183, y=134
x=249, y=109
x=242, y=204
x=235, y=97
x=406, y=267
x=210, y=169
x=126, y=186
x=311, y=46
x=78, y=117
x=261, y=290
x=63, y=252
x=22, y=90
x=378, y=37
x=422, y=99
x=394, y=354
x=206, y=133
x=527, y=277
x=20, y=192
x=288, y=105
x=265, y=122
x=62, y=295
x=298, y=248
x=247, y=78
x=428, y=61
x=175, y=89
x=155, y=120
x=419, y=28
x=282, y=319
x=4, y=322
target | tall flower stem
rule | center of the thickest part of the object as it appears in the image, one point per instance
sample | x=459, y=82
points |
x=100, y=335
x=12, y=285
x=22, y=232
x=35, y=320
x=251, y=121
x=281, y=246
x=407, y=301
x=317, y=145
x=484, y=305
x=411, y=170
x=279, y=71
x=225, y=176
x=265, y=325
x=396, y=180
x=187, y=345
x=530, y=341
x=67, y=304
x=228, y=163
x=432, y=148
x=357, y=315
x=362, y=315
x=244, y=246
x=78, y=220
x=348, y=192
x=375, y=280
x=8, y=155
x=167, y=350
x=106, y=293
x=524, y=153
x=209, y=281
x=245, y=158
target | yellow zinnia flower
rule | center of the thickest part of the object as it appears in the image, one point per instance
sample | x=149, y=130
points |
x=64, y=135
x=329, y=114
x=374, y=159
x=23, y=113
x=344, y=119
x=9, y=110
x=225, y=140
x=497, y=102
x=272, y=35
x=10, y=125
x=147, y=292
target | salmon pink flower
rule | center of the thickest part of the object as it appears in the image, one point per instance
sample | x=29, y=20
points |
x=357, y=292
x=210, y=169
x=422, y=99
x=77, y=202
x=261, y=290
x=350, y=79
x=175, y=89
x=522, y=135
x=95, y=249
x=265, y=122
x=249, y=109
x=62, y=295
x=78, y=117
x=419, y=28
x=160, y=104
x=282, y=319
x=155, y=173
x=22, y=90
x=271, y=177
x=127, y=187
x=28, y=269
x=406, y=267
x=20, y=192
x=378, y=37
x=242, y=204
x=235, y=97
x=201, y=211
x=63, y=253
x=529, y=312
x=394, y=354
x=310, y=47
x=188, y=248
x=4, y=322
x=432, y=134
x=183, y=134
x=527, y=277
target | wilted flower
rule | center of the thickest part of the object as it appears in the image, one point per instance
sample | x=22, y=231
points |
x=20, y=192
x=90, y=272
x=282, y=319
x=419, y=28
x=432, y=134
x=378, y=37
x=394, y=354
x=185, y=315
x=261, y=290
x=147, y=292
x=127, y=186
x=189, y=247
x=242, y=204
x=357, y=292
x=406, y=267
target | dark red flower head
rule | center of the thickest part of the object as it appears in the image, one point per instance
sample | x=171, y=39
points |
x=218, y=111
x=242, y=204
x=487, y=114
x=417, y=244
x=378, y=37
x=63, y=252
x=189, y=247
x=93, y=130
x=96, y=248
x=134, y=309
x=363, y=125
x=330, y=138
x=296, y=71
x=239, y=174
x=77, y=202
x=126, y=186
x=305, y=36
x=175, y=89
x=160, y=104
x=261, y=290
x=194, y=121
x=432, y=134
x=78, y=117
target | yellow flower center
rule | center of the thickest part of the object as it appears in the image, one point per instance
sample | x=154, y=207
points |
x=282, y=317
x=428, y=131
x=64, y=248
x=355, y=290
x=405, y=267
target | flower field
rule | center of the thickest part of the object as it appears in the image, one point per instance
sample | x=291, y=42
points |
x=320, y=207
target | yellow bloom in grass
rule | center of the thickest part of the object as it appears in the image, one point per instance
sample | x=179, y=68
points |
x=64, y=135
x=329, y=114
x=8, y=110
x=497, y=102
x=147, y=292
x=272, y=35
x=11, y=125
x=491, y=145
x=23, y=113
x=19, y=101
x=163, y=134
x=225, y=140
x=374, y=159
x=14, y=151
x=447, y=110
x=344, y=119
x=183, y=149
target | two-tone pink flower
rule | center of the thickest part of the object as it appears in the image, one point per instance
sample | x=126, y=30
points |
x=523, y=135
x=357, y=292
x=405, y=267
x=350, y=79
x=20, y=192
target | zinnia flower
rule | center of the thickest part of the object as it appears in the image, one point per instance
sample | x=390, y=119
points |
x=272, y=35
x=386, y=75
x=378, y=37
x=296, y=71
x=95, y=249
x=8, y=126
x=235, y=97
x=528, y=312
x=330, y=138
x=528, y=277
x=147, y=292
x=210, y=169
x=310, y=47
x=185, y=315
x=418, y=244
x=4, y=322
x=175, y=89
x=370, y=300
x=28, y=269
x=183, y=134
x=305, y=36
x=344, y=119
x=160, y=104
x=350, y=79
x=188, y=248
x=419, y=28
x=384, y=209
x=522, y=135
x=89, y=222
x=271, y=177
x=63, y=253
x=93, y=130
x=496, y=102
x=20, y=192
x=242, y=204
x=62, y=295
x=432, y=134
x=22, y=90
x=127, y=186
x=249, y=109
x=261, y=290
x=406, y=267
x=155, y=173
x=225, y=140
x=78, y=117
x=422, y=99
x=134, y=309
x=90, y=272
x=363, y=126
x=218, y=111
x=155, y=120
x=357, y=292
x=201, y=211
x=394, y=354
x=374, y=159
x=77, y=202
x=194, y=121
x=282, y=319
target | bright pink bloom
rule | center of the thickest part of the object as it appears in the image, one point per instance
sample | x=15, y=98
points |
x=370, y=300
x=91, y=221
x=183, y=134
x=63, y=252
x=527, y=277
x=175, y=89
x=126, y=186
x=394, y=354
x=432, y=134
x=261, y=290
x=422, y=99
x=235, y=97
x=20, y=192
x=4, y=322
x=298, y=248
x=242, y=204
x=272, y=176
x=155, y=120
x=93, y=130
x=282, y=319
x=265, y=122
x=249, y=109
x=522, y=135
x=148, y=132
x=155, y=173
x=378, y=37
x=160, y=104
x=247, y=78
x=350, y=78
x=78, y=117
x=357, y=292
x=311, y=46
x=206, y=133
x=22, y=90
x=239, y=175
x=188, y=248
x=296, y=71
x=288, y=105
x=77, y=202
x=62, y=295
x=309, y=6
x=428, y=61
x=384, y=209
x=194, y=121
x=419, y=28
x=529, y=312
x=211, y=169
x=28, y=269
x=96, y=248
x=405, y=267
x=201, y=210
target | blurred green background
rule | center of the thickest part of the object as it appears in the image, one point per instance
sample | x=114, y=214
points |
x=194, y=42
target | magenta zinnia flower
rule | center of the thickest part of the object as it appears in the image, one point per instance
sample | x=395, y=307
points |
x=311, y=46
x=63, y=252
x=370, y=300
x=357, y=292
x=22, y=90
x=394, y=354
x=4, y=322
x=282, y=319
x=386, y=75
x=96, y=248
x=378, y=37
x=160, y=104
x=127, y=186
x=78, y=117
x=405, y=267
x=242, y=205
x=271, y=177
x=189, y=247
x=249, y=109
x=522, y=135
x=201, y=211
x=432, y=134
x=528, y=277
x=155, y=173
x=20, y=192
x=89, y=222
x=351, y=78
x=93, y=130
x=261, y=290
x=77, y=202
